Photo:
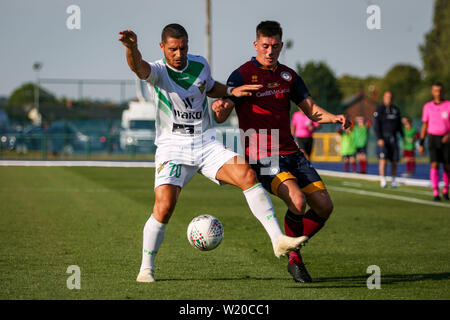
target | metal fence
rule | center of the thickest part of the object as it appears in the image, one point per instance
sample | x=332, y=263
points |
x=72, y=146
x=114, y=145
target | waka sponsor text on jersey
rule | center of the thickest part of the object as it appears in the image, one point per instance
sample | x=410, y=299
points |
x=180, y=95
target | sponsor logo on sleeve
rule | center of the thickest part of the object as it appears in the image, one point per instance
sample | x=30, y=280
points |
x=286, y=76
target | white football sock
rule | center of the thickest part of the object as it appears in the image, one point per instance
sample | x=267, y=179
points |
x=153, y=237
x=261, y=206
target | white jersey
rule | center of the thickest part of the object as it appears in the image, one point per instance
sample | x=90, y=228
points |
x=182, y=117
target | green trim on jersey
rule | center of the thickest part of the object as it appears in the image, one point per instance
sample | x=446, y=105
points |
x=159, y=120
x=165, y=106
x=186, y=78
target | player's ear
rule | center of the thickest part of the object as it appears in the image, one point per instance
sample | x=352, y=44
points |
x=255, y=44
x=161, y=45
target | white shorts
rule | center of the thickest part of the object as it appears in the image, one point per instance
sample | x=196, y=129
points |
x=175, y=172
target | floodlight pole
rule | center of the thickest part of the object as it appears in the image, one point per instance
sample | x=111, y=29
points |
x=208, y=32
x=36, y=67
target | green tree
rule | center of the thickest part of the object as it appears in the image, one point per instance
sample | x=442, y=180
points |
x=436, y=49
x=402, y=80
x=25, y=95
x=405, y=82
x=322, y=84
x=350, y=85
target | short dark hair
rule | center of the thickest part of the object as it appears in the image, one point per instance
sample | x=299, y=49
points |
x=438, y=84
x=173, y=30
x=269, y=29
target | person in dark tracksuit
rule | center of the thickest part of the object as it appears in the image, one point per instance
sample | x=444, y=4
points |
x=387, y=123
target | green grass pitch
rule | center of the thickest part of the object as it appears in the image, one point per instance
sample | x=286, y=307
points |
x=54, y=217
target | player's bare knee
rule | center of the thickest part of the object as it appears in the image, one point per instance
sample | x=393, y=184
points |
x=325, y=209
x=163, y=210
x=299, y=204
x=247, y=178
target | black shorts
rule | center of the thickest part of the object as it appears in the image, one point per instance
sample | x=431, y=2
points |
x=362, y=149
x=292, y=166
x=390, y=151
x=439, y=152
x=305, y=144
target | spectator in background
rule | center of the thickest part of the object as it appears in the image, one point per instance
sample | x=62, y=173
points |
x=387, y=124
x=436, y=123
x=410, y=136
x=348, y=148
x=361, y=135
x=302, y=129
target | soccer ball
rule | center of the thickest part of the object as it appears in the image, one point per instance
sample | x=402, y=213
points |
x=205, y=232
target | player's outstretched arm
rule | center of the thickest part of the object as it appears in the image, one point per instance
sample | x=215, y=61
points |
x=222, y=109
x=219, y=90
x=134, y=57
x=320, y=115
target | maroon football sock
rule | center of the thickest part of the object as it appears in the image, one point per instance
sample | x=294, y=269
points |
x=363, y=166
x=312, y=223
x=293, y=227
x=354, y=166
x=346, y=166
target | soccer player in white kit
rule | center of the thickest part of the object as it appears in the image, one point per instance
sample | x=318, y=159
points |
x=186, y=143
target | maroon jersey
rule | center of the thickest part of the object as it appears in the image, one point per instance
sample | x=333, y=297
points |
x=268, y=109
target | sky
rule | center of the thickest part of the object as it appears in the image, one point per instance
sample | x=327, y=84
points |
x=332, y=31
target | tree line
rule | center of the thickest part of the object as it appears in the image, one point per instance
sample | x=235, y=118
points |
x=409, y=85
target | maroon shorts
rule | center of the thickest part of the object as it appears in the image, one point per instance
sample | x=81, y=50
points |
x=408, y=153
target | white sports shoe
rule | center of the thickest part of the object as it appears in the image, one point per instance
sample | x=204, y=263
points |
x=394, y=184
x=285, y=244
x=145, y=275
x=383, y=183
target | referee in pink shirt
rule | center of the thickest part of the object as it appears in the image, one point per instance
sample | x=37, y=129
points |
x=436, y=124
x=302, y=129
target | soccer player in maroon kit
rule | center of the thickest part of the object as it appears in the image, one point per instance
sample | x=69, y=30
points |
x=287, y=173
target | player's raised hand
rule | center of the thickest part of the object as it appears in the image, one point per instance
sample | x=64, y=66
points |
x=128, y=38
x=245, y=90
x=344, y=120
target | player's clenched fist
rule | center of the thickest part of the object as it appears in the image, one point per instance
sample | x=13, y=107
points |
x=220, y=105
x=128, y=38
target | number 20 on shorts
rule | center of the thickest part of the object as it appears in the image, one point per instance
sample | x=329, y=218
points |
x=175, y=170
